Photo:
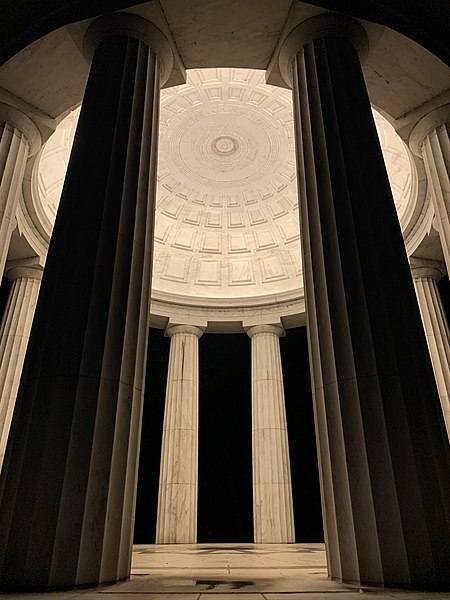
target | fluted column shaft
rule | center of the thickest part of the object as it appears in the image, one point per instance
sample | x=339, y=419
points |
x=382, y=445
x=436, y=327
x=14, y=335
x=273, y=515
x=19, y=138
x=68, y=484
x=430, y=140
x=178, y=479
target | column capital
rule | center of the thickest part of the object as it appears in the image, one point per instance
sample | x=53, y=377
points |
x=323, y=25
x=438, y=117
x=18, y=119
x=127, y=24
x=429, y=269
x=30, y=268
x=273, y=329
x=174, y=329
x=24, y=273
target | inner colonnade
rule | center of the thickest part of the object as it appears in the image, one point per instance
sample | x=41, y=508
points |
x=69, y=475
x=273, y=515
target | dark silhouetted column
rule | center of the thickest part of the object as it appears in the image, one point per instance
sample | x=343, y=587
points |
x=69, y=476
x=382, y=444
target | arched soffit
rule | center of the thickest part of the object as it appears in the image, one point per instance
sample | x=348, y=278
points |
x=419, y=21
x=404, y=80
x=24, y=23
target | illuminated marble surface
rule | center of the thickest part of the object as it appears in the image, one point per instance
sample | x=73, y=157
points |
x=230, y=572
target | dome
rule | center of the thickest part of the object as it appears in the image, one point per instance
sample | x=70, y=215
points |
x=227, y=211
x=226, y=229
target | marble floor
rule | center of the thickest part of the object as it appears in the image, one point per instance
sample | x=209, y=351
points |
x=229, y=572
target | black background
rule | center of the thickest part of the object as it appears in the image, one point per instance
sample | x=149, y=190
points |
x=225, y=464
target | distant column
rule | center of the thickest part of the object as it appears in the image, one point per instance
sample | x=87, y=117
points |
x=273, y=515
x=425, y=276
x=14, y=335
x=19, y=139
x=430, y=140
x=178, y=481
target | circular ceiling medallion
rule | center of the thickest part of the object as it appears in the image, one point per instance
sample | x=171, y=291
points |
x=218, y=145
x=225, y=145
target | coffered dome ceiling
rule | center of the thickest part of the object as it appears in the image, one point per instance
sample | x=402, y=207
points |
x=227, y=210
x=227, y=204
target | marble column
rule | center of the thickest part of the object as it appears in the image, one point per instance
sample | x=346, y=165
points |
x=178, y=479
x=384, y=456
x=273, y=516
x=14, y=335
x=19, y=139
x=68, y=485
x=430, y=140
x=425, y=275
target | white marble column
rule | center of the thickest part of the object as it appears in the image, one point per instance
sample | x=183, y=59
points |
x=273, y=515
x=14, y=335
x=19, y=139
x=425, y=276
x=430, y=140
x=178, y=480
